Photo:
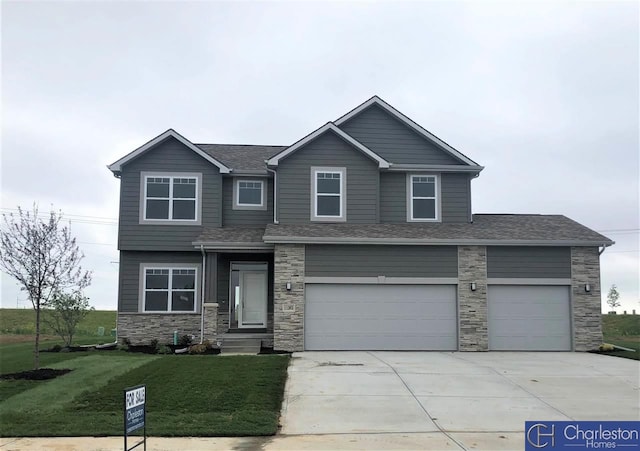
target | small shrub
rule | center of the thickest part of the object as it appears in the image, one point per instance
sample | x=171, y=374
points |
x=198, y=349
x=164, y=349
x=184, y=340
x=154, y=343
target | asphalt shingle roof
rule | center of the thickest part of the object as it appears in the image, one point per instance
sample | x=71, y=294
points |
x=241, y=157
x=231, y=235
x=485, y=228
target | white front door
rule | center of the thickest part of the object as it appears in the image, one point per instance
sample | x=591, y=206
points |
x=253, y=299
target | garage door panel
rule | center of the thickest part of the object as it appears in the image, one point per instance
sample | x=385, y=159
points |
x=379, y=317
x=529, y=318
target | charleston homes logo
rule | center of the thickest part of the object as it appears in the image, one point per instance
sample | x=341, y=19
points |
x=592, y=435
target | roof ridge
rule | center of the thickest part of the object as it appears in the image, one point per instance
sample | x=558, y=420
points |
x=245, y=145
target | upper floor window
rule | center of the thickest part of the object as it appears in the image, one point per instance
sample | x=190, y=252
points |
x=249, y=195
x=169, y=289
x=171, y=198
x=328, y=194
x=422, y=198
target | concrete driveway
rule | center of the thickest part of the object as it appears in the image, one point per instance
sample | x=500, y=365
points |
x=453, y=400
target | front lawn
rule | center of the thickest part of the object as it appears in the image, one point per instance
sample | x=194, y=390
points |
x=186, y=395
x=622, y=330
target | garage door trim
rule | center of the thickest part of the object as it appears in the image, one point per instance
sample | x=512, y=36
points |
x=382, y=280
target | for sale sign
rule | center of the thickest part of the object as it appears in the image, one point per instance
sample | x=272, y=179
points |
x=134, y=408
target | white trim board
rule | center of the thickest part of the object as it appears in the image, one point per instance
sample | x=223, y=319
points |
x=329, y=126
x=117, y=166
x=383, y=280
x=527, y=281
x=406, y=120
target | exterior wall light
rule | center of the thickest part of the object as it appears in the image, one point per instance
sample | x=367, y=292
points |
x=288, y=286
x=587, y=288
x=473, y=286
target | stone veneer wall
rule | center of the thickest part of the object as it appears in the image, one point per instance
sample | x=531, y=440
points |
x=210, y=322
x=288, y=306
x=587, y=319
x=140, y=329
x=472, y=267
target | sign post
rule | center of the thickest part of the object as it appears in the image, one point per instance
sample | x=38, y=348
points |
x=135, y=411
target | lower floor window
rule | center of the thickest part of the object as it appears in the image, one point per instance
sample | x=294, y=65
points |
x=169, y=290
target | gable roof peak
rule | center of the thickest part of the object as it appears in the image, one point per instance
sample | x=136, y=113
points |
x=376, y=100
x=329, y=126
x=116, y=167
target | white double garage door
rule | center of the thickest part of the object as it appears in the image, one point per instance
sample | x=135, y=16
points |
x=425, y=317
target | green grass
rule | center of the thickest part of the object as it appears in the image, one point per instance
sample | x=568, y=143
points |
x=186, y=395
x=19, y=357
x=22, y=321
x=622, y=330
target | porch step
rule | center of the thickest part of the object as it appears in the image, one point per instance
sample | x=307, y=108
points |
x=232, y=345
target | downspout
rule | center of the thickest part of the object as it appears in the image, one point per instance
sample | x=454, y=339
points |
x=203, y=278
x=275, y=195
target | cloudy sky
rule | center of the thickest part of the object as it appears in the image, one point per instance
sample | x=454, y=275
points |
x=545, y=95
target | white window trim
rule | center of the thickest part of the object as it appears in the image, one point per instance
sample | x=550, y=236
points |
x=171, y=175
x=236, y=195
x=410, y=197
x=343, y=194
x=171, y=268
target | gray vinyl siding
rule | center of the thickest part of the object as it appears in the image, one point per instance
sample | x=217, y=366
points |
x=393, y=140
x=528, y=262
x=456, y=203
x=129, y=280
x=224, y=266
x=294, y=180
x=231, y=217
x=372, y=261
x=169, y=156
x=393, y=197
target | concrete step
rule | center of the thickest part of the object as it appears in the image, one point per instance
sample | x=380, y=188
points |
x=240, y=346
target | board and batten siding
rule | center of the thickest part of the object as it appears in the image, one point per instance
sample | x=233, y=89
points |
x=393, y=140
x=454, y=189
x=528, y=262
x=373, y=261
x=129, y=283
x=328, y=150
x=231, y=217
x=170, y=156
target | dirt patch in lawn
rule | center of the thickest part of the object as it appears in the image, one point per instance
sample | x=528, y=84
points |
x=36, y=375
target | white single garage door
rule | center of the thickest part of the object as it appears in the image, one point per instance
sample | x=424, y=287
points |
x=529, y=318
x=380, y=317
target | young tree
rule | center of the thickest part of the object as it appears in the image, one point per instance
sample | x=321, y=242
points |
x=64, y=312
x=613, y=296
x=43, y=257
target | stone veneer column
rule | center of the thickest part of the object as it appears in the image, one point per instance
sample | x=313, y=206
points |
x=288, y=306
x=210, y=321
x=586, y=307
x=472, y=305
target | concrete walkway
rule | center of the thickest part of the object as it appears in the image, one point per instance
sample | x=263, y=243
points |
x=418, y=400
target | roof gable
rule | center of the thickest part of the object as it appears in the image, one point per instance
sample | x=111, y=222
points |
x=422, y=132
x=382, y=163
x=116, y=167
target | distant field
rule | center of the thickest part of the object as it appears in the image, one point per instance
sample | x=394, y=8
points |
x=22, y=322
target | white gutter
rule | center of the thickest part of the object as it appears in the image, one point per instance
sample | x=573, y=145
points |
x=204, y=270
x=275, y=195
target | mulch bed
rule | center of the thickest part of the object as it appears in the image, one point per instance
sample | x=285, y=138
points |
x=36, y=375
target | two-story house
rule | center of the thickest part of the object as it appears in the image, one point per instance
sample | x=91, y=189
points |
x=359, y=236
